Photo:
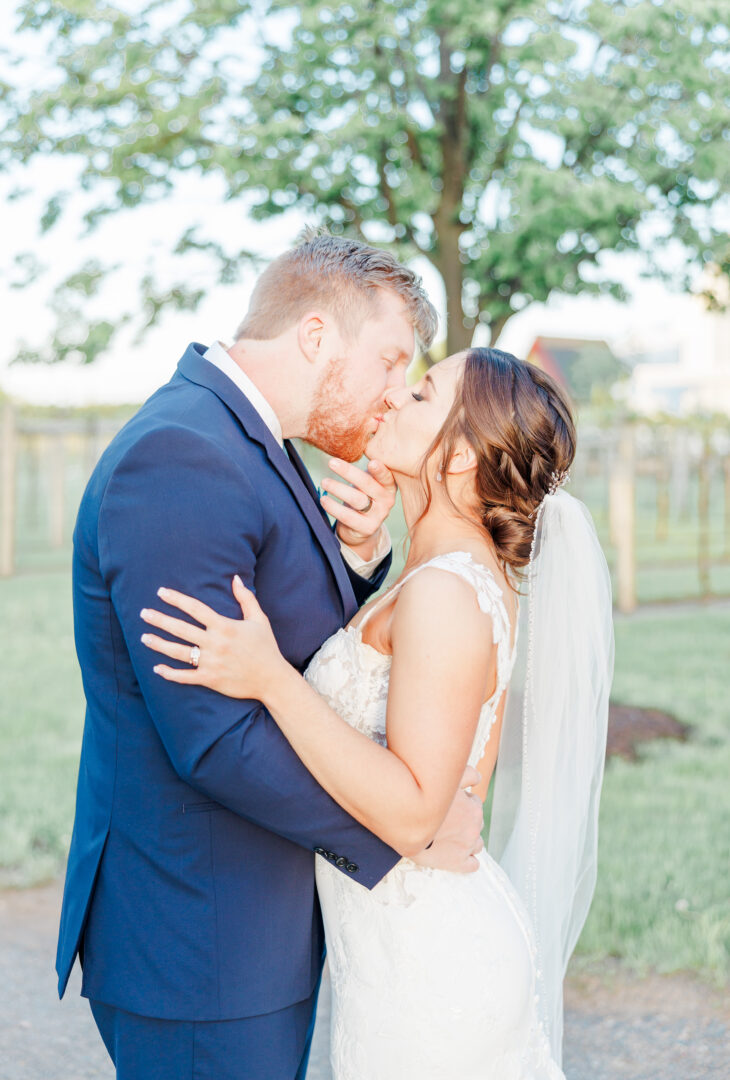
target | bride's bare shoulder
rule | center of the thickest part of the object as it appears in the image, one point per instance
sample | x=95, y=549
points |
x=438, y=602
x=453, y=593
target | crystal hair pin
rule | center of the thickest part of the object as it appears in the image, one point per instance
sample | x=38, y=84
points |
x=557, y=479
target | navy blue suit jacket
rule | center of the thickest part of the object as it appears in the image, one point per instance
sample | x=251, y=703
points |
x=190, y=883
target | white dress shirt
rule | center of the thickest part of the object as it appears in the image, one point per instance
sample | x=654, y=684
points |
x=218, y=356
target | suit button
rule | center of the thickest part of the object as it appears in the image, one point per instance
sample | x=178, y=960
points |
x=331, y=855
x=342, y=861
x=352, y=868
x=319, y=851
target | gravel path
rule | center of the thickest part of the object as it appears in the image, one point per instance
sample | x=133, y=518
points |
x=617, y=1027
x=40, y=1037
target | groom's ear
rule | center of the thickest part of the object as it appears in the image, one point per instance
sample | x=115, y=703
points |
x=309, y=336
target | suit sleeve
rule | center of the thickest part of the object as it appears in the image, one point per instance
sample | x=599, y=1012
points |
x=177, y=512
x=365, y=587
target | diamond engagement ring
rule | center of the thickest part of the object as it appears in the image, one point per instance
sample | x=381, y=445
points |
x=194, y=655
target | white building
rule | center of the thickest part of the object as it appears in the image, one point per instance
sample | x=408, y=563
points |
x=680, y=365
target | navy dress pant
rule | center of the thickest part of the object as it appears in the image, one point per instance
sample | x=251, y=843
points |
x=274, y=1046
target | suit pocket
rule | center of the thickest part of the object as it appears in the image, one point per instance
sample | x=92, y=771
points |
x=200, y=807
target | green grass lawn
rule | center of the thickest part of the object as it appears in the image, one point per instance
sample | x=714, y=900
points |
x=41, y=719
x=662, y=896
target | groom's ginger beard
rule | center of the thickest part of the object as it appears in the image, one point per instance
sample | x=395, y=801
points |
x=335, y=425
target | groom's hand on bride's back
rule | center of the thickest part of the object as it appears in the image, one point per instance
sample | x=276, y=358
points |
x=459, y=840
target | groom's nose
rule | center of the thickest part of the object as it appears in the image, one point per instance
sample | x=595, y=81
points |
x=393, y=397
x=396, y=379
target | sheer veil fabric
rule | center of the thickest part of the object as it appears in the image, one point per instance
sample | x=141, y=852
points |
x=544, y=823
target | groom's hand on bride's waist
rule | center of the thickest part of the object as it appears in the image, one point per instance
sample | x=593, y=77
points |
x=459, y=840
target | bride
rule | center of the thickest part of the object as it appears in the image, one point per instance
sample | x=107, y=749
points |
x=436, y=975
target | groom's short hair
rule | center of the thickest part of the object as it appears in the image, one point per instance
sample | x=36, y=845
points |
x=339, y=274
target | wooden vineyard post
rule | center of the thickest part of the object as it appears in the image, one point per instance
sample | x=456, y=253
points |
x=91, y=438
x=609, y=464
x=680, y=473
x=8, y=503
x=703, y=519
x=94, y=444
x=662, y=499
x=726, y=474
x=622, y=511
x=57, y=478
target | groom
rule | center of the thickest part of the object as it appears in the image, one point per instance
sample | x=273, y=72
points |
x=190, y=894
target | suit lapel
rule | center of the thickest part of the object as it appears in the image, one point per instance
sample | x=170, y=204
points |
x=290, y=468
x=321, y=525
x=304, y=476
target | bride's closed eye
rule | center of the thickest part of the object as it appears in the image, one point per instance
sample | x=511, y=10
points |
x=416, y=396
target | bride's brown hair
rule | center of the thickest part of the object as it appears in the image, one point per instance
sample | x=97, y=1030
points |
x=520, y=425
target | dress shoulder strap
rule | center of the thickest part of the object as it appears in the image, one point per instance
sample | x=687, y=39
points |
x=390, y=593
x=480, y=577
x=489, y=592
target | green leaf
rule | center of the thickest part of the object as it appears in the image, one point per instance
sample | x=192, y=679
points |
x=511, y=143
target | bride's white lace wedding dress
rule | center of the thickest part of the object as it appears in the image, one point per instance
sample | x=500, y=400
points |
x=432, y=973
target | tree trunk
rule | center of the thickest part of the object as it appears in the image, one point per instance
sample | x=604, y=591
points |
x=458, y=337
x=449, y=265
x=497, y=326
x=447, y=226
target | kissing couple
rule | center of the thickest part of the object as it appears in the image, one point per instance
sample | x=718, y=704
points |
x=273, y=762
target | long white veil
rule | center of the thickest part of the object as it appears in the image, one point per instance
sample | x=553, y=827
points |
x=544, y=824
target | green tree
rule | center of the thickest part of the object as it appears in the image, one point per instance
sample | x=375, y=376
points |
x=509, y=142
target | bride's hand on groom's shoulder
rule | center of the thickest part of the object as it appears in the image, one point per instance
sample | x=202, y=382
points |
x=459, y=840
x=236, y=657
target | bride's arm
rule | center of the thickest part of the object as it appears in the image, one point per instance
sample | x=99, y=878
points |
x=442, y=646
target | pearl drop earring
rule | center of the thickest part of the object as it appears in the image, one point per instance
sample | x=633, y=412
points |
x=439, y=477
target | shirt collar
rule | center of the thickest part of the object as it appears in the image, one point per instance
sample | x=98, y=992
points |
x=221, y=359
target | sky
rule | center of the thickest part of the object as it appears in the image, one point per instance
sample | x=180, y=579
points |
x=146, y=237
x=133, y=369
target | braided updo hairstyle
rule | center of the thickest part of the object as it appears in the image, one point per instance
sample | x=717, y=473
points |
x=519, y=423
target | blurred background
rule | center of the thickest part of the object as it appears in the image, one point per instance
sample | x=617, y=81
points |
x=559, y=173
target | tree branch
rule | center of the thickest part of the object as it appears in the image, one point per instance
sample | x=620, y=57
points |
x=354, y=210
x=414, y=149
x=385, y=188
x=508, y=140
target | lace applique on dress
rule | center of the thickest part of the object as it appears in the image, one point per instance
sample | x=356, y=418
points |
x=432, y=974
